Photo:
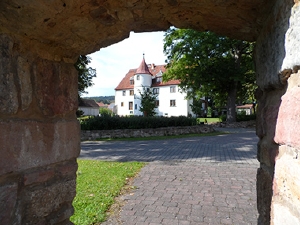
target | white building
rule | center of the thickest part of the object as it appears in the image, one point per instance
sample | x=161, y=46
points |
x=170, y=99
x=89, y=107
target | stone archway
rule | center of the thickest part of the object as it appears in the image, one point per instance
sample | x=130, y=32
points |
x=39, y=132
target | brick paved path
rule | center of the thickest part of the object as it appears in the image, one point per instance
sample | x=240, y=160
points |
x=201, y=180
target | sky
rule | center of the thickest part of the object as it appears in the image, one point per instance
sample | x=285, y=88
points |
x=112, y=63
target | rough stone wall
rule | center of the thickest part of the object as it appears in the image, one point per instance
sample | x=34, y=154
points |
x=127, y=133
x=39, y=137
x=277, y=60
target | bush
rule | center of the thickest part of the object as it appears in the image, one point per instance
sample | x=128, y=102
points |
x=243, y=117
x=223, y=118
x=134, y=122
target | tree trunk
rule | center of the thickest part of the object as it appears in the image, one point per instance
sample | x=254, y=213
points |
x=231, y=99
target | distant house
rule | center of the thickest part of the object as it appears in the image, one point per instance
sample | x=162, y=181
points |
x=247, y=109
x=102, y=105
x=89, y=107
x=170, y=101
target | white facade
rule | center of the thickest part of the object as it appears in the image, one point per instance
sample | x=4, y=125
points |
x=170, y=99
x=88, y=111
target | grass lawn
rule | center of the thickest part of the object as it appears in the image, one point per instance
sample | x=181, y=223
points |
x=98, y=183
x=160, y=137
x=210, y=120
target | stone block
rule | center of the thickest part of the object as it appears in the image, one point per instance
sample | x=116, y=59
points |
x=49, y=203
x=264, y=194
x=8, y=204
x=56, y=87
x=286, y=187
x=30, y=144
x=288, y=122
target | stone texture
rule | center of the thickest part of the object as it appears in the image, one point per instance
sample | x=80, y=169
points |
x=56, y=87
x=30, y=144
x=60, y=30
x=8, y=199
x=264, y=195
x=288, y=122
x=286, y=197
x=163, y=131
x=270, y=49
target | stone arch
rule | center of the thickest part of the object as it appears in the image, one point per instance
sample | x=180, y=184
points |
x=39, y=132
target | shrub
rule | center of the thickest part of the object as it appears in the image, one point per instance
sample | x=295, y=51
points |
x=134, y=122
x=243, y=117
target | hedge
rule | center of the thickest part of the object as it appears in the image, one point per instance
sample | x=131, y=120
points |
x=134, y=122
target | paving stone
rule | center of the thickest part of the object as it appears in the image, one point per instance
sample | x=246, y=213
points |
x=197, y=180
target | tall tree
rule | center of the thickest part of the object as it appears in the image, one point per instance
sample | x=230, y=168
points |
x=148, y=102
x=209, y=65
x=85, y=74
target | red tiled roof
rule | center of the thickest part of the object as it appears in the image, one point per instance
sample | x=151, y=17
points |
x=153, y=69
x=247, y=106
x=143, y=68
x=101, y=104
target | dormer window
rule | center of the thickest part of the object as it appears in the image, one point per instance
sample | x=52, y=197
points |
x=131, y=80
x=158, y=79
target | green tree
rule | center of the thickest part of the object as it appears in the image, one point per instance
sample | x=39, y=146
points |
x=105, y=112
x=148, y=102
x=209, y=65
x=85, y=74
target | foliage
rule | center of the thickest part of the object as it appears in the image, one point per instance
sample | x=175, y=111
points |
x=244, y=117
x=85, y=74
x=134, y=122
x=148, y=98
x=210, y=65
x=105, y=112
x=98, y=183
x=79, y=113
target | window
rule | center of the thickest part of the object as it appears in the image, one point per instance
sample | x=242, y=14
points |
x=124, y=93
x=155, y=90
x=122, y=104
x=131, y=92
x=158, y=79
x=135, y=106
x=156, y=102
x=172, y=89
x=132, y=82
x=130, y=105
x=172, y=103
x=137, y=77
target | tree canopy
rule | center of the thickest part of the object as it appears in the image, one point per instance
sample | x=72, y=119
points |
x=210, y=65
x=85, y=74
x=148, y=102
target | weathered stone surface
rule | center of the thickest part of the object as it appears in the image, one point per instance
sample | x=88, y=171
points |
x=269, y=59
x=264, y=195
x=57, y=30
x=8, y=202
x=30, y=144
x=126, y=133
x=8, y=90
x=56, y=87
x=288, y=122
x=286, y=185
x=43, y=202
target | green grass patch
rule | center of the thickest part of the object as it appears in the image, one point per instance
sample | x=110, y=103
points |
x=208, y=120
x=98, y=183
x=161, y=137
